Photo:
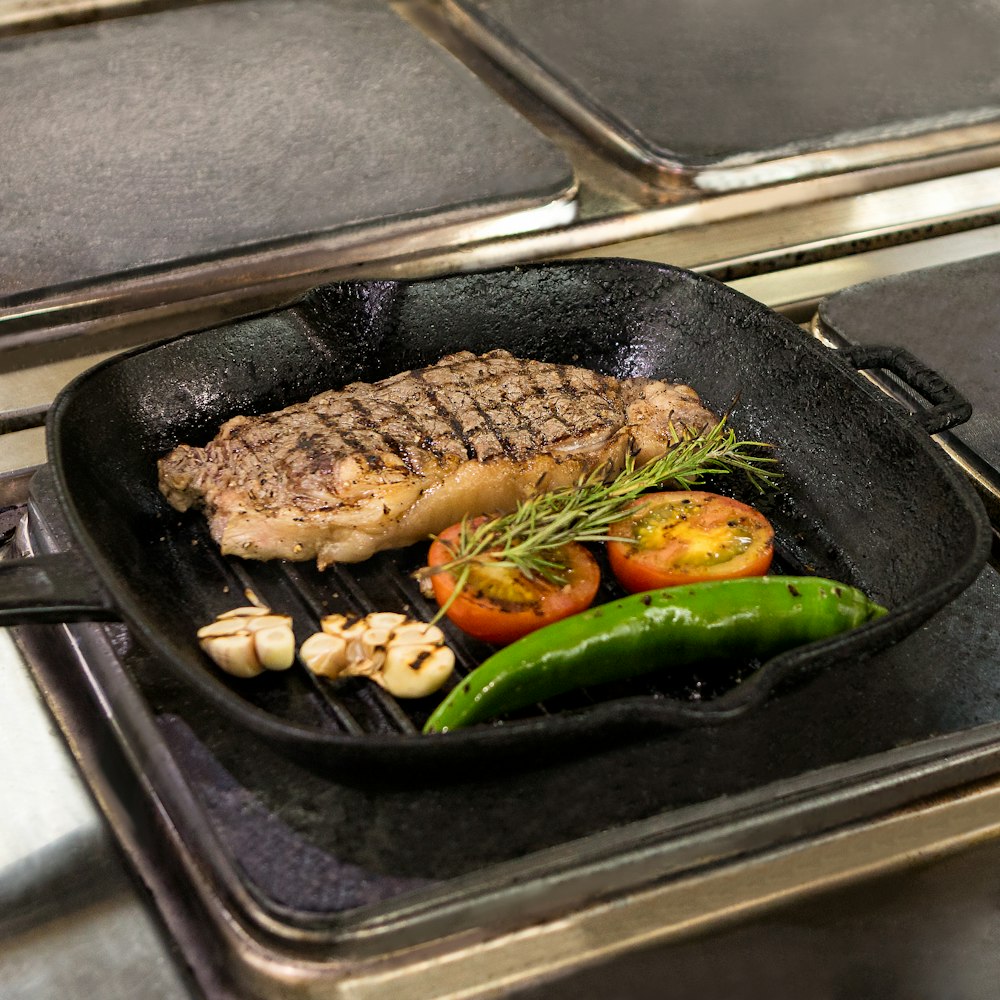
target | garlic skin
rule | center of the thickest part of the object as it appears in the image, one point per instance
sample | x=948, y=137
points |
x=245, y=642
x=406, y=657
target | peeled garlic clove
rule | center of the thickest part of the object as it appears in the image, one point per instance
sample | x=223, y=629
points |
x=420, y=633
x=275, y=646
x=219, y=628
x=333, y=624
x=236, y=654
x=413, y=671
x=373, y=642
x=324, y=654
x=268, y=621
x=387, y=620
x=248, y=612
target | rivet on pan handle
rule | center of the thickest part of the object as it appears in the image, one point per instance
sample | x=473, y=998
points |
x=950, y=406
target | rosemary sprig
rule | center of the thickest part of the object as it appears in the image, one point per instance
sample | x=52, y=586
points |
x=527, y=538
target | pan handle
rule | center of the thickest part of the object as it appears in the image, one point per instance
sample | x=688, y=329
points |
x=950, y=406
x=53, y=588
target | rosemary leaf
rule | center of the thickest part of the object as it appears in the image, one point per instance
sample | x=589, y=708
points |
x=527, y=538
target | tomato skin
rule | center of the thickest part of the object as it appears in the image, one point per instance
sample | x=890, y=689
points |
x=499, y=606
x=688, y=536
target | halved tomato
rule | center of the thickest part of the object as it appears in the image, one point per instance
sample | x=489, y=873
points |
x=499, y=604
x=688, y=536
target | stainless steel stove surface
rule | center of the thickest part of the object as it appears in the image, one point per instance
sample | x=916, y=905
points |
x=72, y=921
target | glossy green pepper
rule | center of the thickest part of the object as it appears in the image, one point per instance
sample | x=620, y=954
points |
x=677, y=626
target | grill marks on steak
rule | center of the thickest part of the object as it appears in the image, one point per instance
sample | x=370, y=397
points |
x=468, y=408
x=375, y=466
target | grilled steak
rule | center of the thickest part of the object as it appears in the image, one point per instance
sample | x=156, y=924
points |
x=377, y=466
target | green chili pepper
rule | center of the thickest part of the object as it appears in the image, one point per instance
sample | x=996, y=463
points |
x=677, y=626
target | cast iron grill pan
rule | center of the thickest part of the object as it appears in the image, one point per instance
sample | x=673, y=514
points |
x=861, y=499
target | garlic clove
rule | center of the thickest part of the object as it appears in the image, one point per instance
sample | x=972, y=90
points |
x=268, y=621
x=333, y=624
x=219, y=628
x=275, y=646
x=387, y=620
x=414, y=671
x=249, y=612
x=324, y=654
x=373, y=642
x=235, y=654
x=417, y=633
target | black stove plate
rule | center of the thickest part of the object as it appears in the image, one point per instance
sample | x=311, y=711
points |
x=170, y=138
x=690, y=84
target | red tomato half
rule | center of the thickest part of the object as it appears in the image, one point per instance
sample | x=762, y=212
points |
x=500, y=605
x=689, y=537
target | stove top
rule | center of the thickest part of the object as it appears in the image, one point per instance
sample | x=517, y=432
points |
x=227, y=205
x=275, y=882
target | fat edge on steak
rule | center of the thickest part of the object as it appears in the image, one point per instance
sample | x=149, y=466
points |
x=376, y=466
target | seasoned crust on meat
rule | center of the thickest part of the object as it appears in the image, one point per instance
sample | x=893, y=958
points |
x=375, y=466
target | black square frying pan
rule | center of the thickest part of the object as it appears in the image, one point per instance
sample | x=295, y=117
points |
x=866, y=497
